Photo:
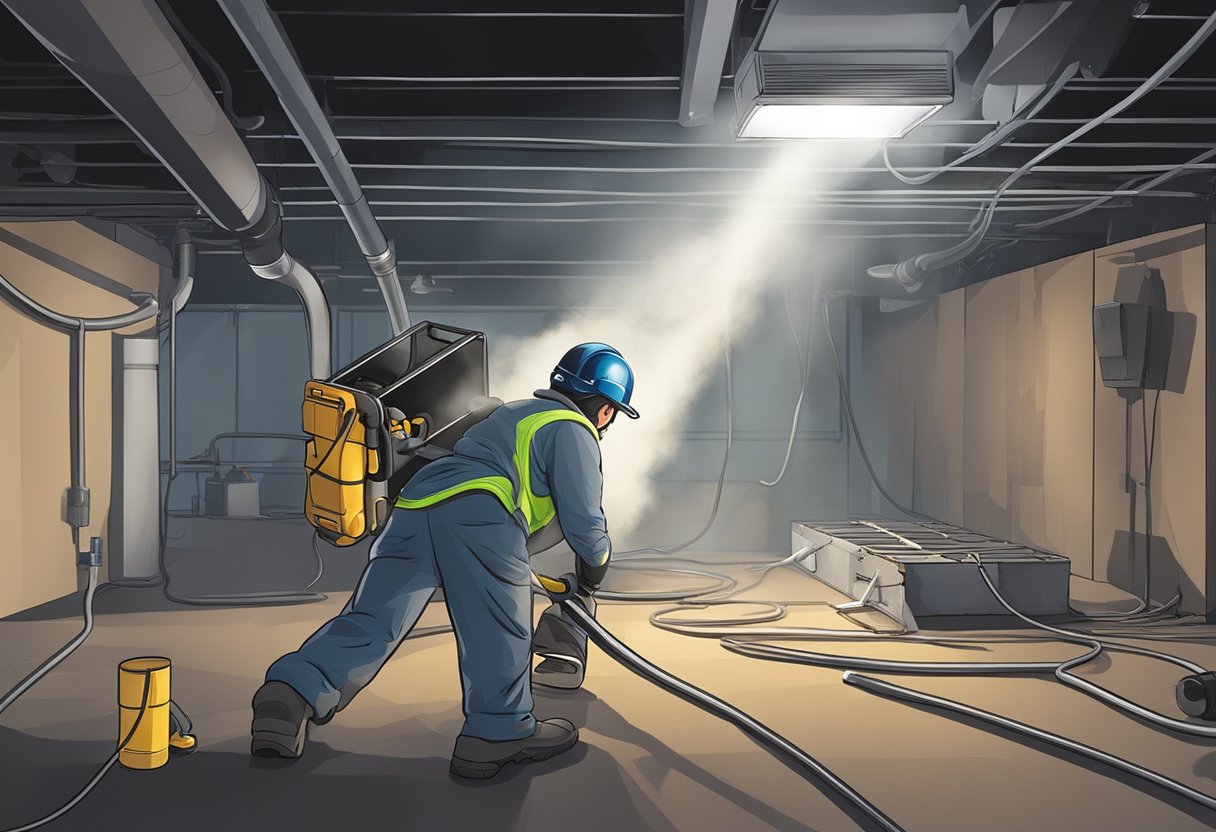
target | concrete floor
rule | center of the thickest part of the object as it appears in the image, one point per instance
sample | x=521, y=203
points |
x=646, y=761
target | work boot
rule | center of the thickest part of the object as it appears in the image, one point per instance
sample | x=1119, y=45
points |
x=558, y=672
x=280, y=721
x=481, y=759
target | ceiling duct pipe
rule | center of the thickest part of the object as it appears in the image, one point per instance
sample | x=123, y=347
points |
x=262, y=33
x=126, y=52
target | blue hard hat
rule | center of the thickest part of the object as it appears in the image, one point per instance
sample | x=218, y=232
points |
x=596, y=368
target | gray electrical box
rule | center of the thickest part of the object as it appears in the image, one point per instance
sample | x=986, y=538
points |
x=1121, y=336
x=232, y=499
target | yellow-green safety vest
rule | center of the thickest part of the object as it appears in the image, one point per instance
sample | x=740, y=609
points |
x=538, y=511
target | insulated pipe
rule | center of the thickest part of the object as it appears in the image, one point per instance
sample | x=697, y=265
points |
x=126, y=52
x=262, y=33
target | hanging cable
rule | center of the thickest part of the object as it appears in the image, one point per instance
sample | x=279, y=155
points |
x=1149, y=450
x=992, y=140
x=912, y=271
x=804, y=367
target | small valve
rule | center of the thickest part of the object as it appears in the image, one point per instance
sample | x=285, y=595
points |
x=91, y=557
x=1196, y=695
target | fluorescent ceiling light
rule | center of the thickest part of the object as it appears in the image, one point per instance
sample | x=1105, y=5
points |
x=834, y=121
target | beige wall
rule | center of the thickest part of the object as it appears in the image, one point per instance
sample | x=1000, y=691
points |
x=35, y=431
x=1028, y=379
x=987, y=405
x=912, y=369
x=1179, y=494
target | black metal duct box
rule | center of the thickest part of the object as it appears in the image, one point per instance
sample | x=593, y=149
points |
x=434, y=371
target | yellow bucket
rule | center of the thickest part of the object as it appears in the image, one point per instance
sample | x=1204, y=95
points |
x=148, y=746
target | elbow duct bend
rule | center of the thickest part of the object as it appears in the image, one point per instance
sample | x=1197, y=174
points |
x=263, y=35
x=186, y=262
x=286, y=269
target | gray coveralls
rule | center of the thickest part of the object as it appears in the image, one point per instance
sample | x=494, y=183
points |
x=472, y=547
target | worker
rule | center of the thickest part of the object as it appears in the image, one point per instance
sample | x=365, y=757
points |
x=463, y=522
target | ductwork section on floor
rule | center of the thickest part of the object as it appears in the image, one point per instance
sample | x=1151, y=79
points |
x=262, y=33
x=126, y=52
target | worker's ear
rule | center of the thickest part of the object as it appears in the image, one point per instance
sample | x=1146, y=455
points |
x=604, y=415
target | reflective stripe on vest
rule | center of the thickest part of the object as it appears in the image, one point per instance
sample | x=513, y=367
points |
x=538, y=511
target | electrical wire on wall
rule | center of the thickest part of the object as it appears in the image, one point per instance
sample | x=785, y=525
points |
x=78, y=499
x=804, y=368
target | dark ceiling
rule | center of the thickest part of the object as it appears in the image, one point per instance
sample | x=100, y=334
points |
x=539, y=140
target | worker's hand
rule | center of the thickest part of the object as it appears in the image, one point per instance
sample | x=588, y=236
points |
x=570, y=580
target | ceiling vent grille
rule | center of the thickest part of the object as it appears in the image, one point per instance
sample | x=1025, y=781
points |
x=923, y=77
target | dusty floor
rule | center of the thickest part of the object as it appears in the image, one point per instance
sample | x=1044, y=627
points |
x=646, y=761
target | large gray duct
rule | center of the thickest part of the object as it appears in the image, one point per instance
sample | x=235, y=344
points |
x=259, y=28
x=126, y=52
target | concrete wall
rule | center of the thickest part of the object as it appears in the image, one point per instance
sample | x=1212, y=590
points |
x=37, y=563
x=985, y=408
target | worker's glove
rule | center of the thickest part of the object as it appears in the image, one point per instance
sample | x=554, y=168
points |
x=572, y=589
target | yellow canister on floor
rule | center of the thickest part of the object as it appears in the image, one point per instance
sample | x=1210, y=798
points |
x=148, y=747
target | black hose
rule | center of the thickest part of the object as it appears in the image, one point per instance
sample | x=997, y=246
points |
x=83, y=793
x=711, y=704
x=899, y=692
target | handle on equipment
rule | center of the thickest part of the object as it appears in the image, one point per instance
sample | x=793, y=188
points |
x=554, y=586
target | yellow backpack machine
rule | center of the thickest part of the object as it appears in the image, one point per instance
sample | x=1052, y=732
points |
x=374, y=423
